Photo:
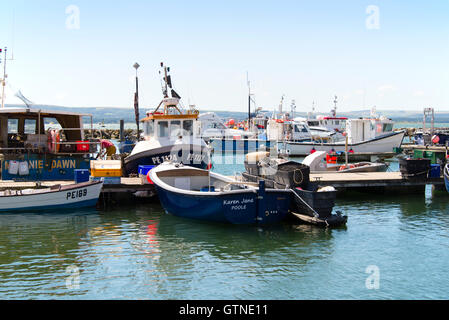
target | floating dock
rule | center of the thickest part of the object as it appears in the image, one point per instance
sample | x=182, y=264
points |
x=378, y=182
x=131, y=189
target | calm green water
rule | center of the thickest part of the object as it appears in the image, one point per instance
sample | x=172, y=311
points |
x=139, y=252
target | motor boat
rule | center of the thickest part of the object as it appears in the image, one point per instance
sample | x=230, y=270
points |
x=204, y=195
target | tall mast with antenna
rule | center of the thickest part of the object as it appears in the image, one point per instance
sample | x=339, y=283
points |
x=4, y=79
x=334, y=111
x=249, y=101
x=293, y=108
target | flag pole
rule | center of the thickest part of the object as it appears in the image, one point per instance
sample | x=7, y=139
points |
x=4, y=79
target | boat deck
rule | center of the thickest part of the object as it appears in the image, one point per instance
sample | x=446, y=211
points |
x=374, y=181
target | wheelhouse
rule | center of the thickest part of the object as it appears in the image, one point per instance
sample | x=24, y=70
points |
x=25, y=130
x=170, y=125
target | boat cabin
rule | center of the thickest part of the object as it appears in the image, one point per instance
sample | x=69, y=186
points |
x=170, y=123
x=335, y=124
x=366, y=129
x=290, y=130
x=39, y=131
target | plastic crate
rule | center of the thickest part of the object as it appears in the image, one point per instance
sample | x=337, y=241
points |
x=106, y=168
x=82, y=146
x=143, y=170
x=435, y=171
x=81, y=175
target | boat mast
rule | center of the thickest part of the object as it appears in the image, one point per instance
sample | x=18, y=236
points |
x=166, y=82
x=4, y=79
x=249, y=102
x=293, y=108
x=334, y=111
x=281, y=105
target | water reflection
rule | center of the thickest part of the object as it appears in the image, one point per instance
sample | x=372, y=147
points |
x=140, y=252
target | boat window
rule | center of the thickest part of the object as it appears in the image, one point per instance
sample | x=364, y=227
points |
x=175, y=128
x=13, y=125
x=51, y=123
x=162, y=129
x=388, y=127
x=149, y=128
x=337, y=122
x=30, y=126
x=187, y=125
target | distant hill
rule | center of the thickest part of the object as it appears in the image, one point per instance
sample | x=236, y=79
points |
x=114, y=115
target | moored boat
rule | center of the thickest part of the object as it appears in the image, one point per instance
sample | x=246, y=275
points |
x=169, y=134
x=203, y=195
x=56, y=197
x=318, y=164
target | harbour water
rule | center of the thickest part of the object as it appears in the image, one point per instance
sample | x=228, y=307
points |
x=393, y=247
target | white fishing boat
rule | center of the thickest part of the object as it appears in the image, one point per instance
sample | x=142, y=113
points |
x=56, y=197
x=364, y=136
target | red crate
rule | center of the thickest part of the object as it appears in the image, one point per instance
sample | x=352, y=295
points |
x=82, y=146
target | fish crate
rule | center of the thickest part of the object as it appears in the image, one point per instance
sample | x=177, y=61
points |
x=436, y=157
x=82, y=146
x=106, y=168
x=81, y=175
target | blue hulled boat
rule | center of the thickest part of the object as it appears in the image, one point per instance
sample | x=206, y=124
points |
x=200, y=194
x=446, y=177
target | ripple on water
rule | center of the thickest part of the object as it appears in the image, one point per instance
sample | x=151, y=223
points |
x=141, y=253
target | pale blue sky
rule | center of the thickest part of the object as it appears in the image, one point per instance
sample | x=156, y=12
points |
x=307, y=50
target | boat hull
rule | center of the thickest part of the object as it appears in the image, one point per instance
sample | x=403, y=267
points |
x=446, y=177
x=77, y=196
x=383, y=144
x=193, y=156
x=246, y=207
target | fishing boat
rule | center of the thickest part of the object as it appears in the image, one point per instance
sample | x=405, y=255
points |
x=40, y=144
x=203, y=195
x=321, y=161
x=169, y=134
x=373, y=136
x=56, y=197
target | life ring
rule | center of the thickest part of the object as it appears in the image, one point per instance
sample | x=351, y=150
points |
x=280, y=121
